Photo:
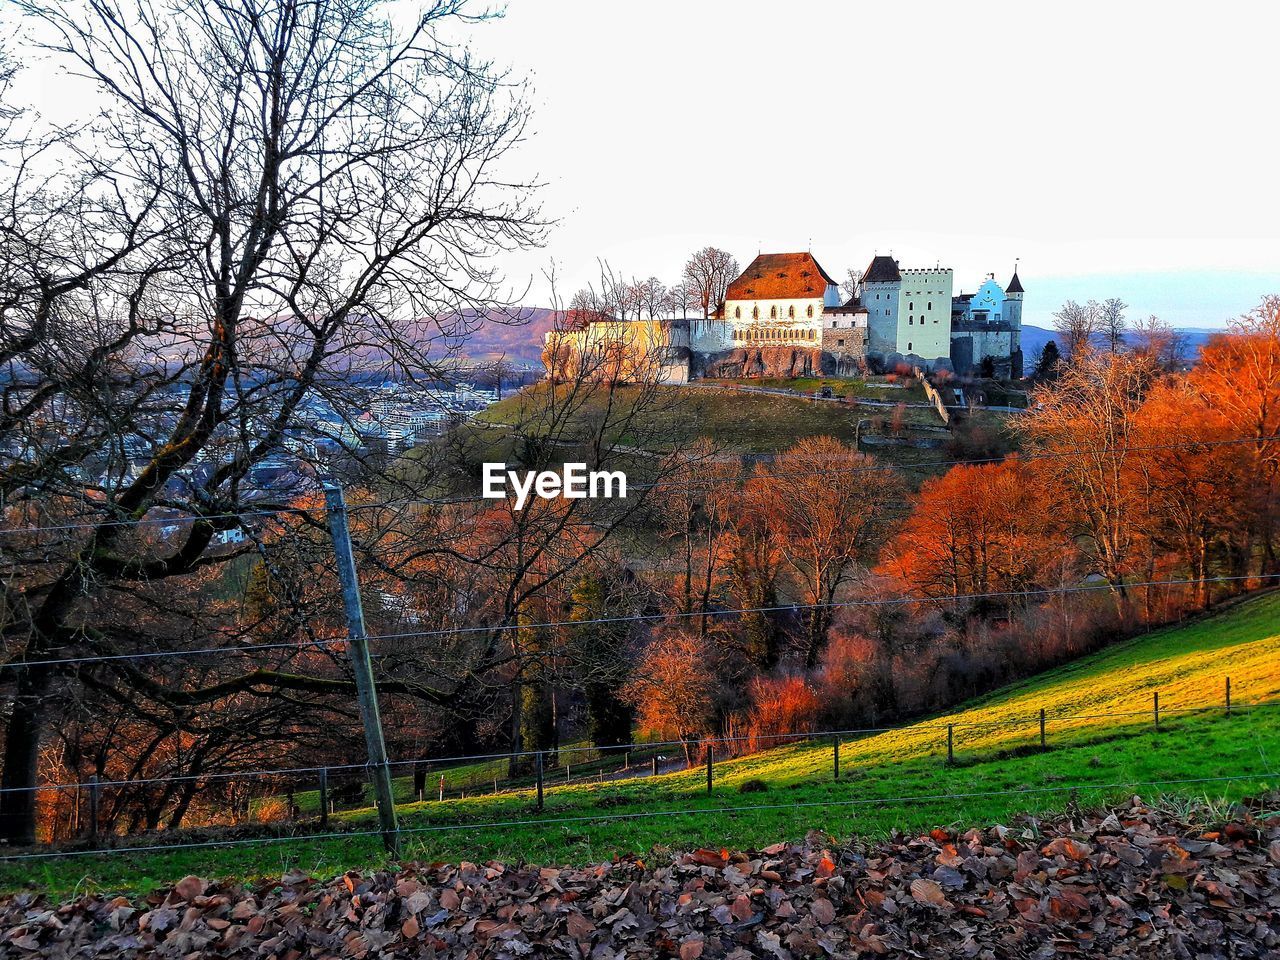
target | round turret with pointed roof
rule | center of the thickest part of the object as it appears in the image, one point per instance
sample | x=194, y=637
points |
x=1015, y=285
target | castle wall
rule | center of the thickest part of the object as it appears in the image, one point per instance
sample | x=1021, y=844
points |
x=620, y=351
x=783, y=362
x=881, y=301
x=924, y=313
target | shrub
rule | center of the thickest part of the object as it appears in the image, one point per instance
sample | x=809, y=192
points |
x=754, y=785
x=779, y=706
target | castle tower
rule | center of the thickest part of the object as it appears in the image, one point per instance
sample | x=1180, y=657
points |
x=1013, y=294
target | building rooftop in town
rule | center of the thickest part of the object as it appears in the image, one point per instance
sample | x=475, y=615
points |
x=780, y=276
x=1015, y=285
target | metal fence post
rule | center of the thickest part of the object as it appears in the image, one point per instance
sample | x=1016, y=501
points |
x=951, y=739
x=324, y=796
x=710, y=756
x=358, y=651
x=538, y=764
x=1155, y=708
x=1228, y=696
x=1042, y=737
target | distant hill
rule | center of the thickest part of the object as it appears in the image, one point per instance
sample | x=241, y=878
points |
x=1034, y=338
x=515, y=335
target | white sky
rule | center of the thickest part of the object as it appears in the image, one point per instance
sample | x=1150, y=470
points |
x=1108, y=145
x=1118, y=148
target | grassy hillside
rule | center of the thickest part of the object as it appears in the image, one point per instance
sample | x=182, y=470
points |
x=739, y=421
x=1101, y=741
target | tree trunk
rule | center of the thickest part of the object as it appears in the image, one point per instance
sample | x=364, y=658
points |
x=21, y=758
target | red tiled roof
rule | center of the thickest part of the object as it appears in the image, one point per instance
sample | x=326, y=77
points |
x=780, y=276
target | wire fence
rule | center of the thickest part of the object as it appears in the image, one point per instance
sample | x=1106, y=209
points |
x=710, y=613
x=629, y=765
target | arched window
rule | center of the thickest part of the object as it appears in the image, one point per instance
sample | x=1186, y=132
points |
x=773, y=312
x=930, y=304
x=908, y=346
x=810, y=310
x=791, y=312
x=911, y=305
x=911, y=320
x=737, y=313
x=755, y=313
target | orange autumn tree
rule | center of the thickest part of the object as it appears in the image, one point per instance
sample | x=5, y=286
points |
x=828, y=507
x=1239, y=377
x=1193, y=488
x=979, y=530
x=673, y=688
x=1082, y=428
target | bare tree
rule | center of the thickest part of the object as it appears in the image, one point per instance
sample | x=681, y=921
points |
x=652, y=295
x=709, y=273
x=1076, y=326
x=1112, y=324
x=681, y=298
x=1159, y=341
x=275, y=194
x=849, y=285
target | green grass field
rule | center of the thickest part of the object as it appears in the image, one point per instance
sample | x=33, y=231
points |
x=1102, y=745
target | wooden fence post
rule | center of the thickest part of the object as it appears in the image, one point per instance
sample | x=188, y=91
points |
x=1228, y=696
x=710, y=754
x=655, y=765
x=539, y=768
x=324, y=796
x=94, y=788
x=951, y=754
x=835, y=757
x=1042, y=737
x=1155, y=708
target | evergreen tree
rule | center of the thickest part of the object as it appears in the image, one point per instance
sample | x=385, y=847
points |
x=1047, y=365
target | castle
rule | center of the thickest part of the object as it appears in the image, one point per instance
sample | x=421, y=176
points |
x=784, y=317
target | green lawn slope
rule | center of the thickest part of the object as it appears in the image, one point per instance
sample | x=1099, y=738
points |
x=1101, y=745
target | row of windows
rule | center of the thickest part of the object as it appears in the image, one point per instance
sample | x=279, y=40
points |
x=778, y=334
x=773, y=312
x=911, y=320
x=911, y=305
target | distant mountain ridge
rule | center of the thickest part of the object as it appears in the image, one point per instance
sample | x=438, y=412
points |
x=1034, y=338
x=513, y=335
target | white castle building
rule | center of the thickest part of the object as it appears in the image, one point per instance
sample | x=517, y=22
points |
x=783, y=317
x=912, y=315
